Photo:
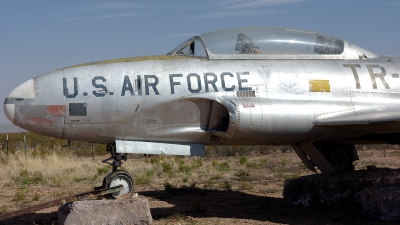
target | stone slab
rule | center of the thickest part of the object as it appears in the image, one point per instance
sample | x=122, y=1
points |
x=381, y=202
x=335, y=189
x=122, y=212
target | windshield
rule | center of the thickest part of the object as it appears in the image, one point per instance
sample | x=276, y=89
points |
x=192, y=47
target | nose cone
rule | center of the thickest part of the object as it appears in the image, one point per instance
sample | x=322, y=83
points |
x=23, y=91
x=9, y=110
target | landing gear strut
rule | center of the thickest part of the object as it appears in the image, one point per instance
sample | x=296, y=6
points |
x=329, y=157
x=117, y=177
x=340, y=157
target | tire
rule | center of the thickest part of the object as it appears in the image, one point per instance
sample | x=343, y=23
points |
x=116, y=178
x=340, y=158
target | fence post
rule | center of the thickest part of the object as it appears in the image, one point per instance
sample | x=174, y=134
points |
x=92, y=151
x=52, y=144
x=7, y=145
x=25, y=145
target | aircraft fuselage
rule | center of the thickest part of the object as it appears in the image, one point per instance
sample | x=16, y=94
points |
x=178, y=99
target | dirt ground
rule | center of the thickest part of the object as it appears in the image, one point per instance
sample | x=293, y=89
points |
x=254, y=198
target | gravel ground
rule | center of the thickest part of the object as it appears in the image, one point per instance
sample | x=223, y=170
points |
x=234, y=197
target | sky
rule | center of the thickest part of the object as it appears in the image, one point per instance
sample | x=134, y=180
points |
x=39, y=36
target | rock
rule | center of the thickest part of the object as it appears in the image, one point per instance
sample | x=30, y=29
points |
x=335, y=189
x=121, y=212
x=381, y=202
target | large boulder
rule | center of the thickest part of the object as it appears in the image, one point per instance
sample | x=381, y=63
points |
x=121, y=212
x=335, y=189
x=381, y=202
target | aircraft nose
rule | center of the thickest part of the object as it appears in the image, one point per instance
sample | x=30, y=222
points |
x=24, y=91
x=9, y=110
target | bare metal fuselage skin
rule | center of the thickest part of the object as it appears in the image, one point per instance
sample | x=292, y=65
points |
x=189, y=100
x=239, y=86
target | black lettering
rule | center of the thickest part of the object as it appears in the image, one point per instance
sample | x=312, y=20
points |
x=139, y=84
x=103, y=88
x=240, y=81
x=380, y=75
x=147, y=84
x=353, y=69
x=65, y=88
x=212, y=82
x=127, y=86
x=190, y=83
x=223, y=81
x=172, y=83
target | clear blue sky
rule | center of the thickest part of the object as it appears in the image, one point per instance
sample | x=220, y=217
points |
x=40, y=36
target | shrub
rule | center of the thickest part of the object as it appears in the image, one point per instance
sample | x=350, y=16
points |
x=197, y=163
x=242, y=160
x=251, y=165
x=245, y=186
x=242, y=173
x=184, y=168
x=226, y=184
x=224, y=166
x=103, y=170
x=19, y=196
x=36, y=197
x=142, y=179
x=169, y=187
x=167, y=167
x=145, y=177
x=4, y=209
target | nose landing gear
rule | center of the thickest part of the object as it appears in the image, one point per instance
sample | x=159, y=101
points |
x=117, y=177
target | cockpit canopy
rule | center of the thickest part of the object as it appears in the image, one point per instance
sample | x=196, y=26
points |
x=269, y=43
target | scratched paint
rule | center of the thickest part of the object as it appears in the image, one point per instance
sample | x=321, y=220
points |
x=39, y=122
x=56, y=110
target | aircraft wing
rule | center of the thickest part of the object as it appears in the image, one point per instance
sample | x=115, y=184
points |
x=365, y=107
x=357, y=118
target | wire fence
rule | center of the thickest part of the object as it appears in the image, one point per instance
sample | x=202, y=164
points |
x=34, y=144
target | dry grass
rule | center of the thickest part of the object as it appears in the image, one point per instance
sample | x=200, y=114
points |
x=26, y=176
x=45, y=175
x=49, y=169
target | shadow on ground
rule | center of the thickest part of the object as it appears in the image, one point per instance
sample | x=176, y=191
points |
x=35, y=218
x=199, y=203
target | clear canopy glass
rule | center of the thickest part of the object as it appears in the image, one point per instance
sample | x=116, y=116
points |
x=261, y=40
x=271, y=40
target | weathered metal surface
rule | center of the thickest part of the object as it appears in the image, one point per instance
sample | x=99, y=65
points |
x=199, y=95
x=61, y=201
x=140, y=147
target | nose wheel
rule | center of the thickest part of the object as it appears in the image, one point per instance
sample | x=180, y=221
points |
x=117, y=177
